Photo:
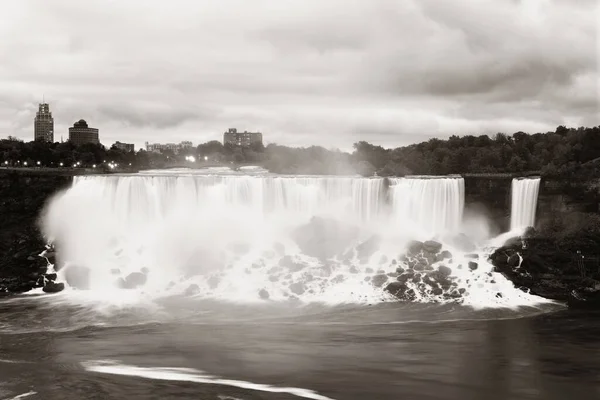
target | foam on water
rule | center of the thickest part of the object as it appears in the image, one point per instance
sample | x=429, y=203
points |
x=192, y=375
x=235, y=238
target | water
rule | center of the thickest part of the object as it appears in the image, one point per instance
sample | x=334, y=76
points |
x=524, y=196
x=201, y=350
x=250, y=238
x=258, y=286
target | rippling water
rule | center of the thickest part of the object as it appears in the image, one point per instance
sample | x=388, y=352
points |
x=188, y=349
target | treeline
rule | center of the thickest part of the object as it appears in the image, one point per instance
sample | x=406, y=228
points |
x=566, y=152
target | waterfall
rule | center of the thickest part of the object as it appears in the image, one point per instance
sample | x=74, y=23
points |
x=434, y=204
x=524, y=197
x=251, y=237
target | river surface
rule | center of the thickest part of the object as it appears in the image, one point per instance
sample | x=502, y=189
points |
x=185, y=349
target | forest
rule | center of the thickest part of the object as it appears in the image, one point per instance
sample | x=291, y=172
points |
x=566, y=152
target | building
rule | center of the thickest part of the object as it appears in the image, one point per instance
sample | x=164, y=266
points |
x=174, y=147
x=43, y=125
x=124, y=146
x=233, y=137
x=81, y=133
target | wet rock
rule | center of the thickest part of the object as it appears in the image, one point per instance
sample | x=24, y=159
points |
x=115, y=271
x=192, y=290
x=400, y=270
x=446, y=254
x=400, y=291
x=379, y=280
x=417, y=278
x=53, y=287
x=394, y=262
x=369, y=270
x=297, y=288
x=472, y=256
x=384, y=260
x=392, y=274
x=50, y=277
x=353, y=270
x=367, y=278
x=445, y=271
x=473, y=265
x=437, y=291
x=431, y=246
x=414, y=247
x=263, y=294
x=145, y=271
x=514, y=260
x=133, y=280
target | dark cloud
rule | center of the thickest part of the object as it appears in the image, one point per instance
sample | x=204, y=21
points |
x=301, y=71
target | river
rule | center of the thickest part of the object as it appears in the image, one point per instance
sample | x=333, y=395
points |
x=54, y=348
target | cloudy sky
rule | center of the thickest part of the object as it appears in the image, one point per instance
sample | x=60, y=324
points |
x=325, y=72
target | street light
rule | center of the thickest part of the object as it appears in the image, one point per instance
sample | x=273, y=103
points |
x=38, y=163
x=205, y=158
x=61, y=164
x=25, y=163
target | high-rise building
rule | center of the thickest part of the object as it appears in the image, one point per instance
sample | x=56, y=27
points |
x=233, y=137
x=124, y=146
x=81, y=133
x=43, y=126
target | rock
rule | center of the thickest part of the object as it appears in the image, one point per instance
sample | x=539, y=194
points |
x=115, y=271
x=400, y=270
x=384, y=260
x=514, y=260
x=414, y=247
x=431, y=246
x=446, y=271
x=379, y=280
x=473, y=256
x=353, y=270
x=53, y=287
x=192, y=290
x=400, y=291
x=514, y=242
x=530, y=232
x=297, y=288
x=437, y=291
x=133, y=280
x=263, y=294
x=51, y=277
x=446, y=254
x=473, y=265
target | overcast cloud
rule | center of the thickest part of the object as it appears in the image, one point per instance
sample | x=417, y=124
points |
x=324, y=72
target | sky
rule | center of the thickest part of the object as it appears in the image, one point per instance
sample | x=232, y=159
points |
x=302, y=72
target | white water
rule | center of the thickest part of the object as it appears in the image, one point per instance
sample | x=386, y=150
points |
x=524, y=197
x=234, y=237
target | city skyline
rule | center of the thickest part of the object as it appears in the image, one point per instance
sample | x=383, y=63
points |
x=330, y=74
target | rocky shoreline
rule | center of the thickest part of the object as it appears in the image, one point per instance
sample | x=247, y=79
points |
x=550, y=267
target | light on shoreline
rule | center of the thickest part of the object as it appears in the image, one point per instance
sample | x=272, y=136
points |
x=38, y=163
x=25, y=163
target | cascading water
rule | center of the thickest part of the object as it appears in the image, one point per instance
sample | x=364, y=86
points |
x=263, y=237
x=524, y=197
x=433, y=204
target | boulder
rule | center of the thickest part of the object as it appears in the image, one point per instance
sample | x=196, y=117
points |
x=379, y=280
x=263, y=294
x=400, y=291
x=473, y=265
x=514, y=260
x=445, y=271
x=133, y=280
x=297, y=288
x=192, y=290
x=53, y=287
x=431, y=246
x=472, y=256
x=414, y=247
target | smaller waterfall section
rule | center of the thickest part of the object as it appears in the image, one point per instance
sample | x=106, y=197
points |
x=524, y=193
x=434, y=205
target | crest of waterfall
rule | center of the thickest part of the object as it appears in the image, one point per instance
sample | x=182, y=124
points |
x=524, y=197
x=433, y=204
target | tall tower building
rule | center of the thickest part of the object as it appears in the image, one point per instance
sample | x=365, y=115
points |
x=43, y=126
